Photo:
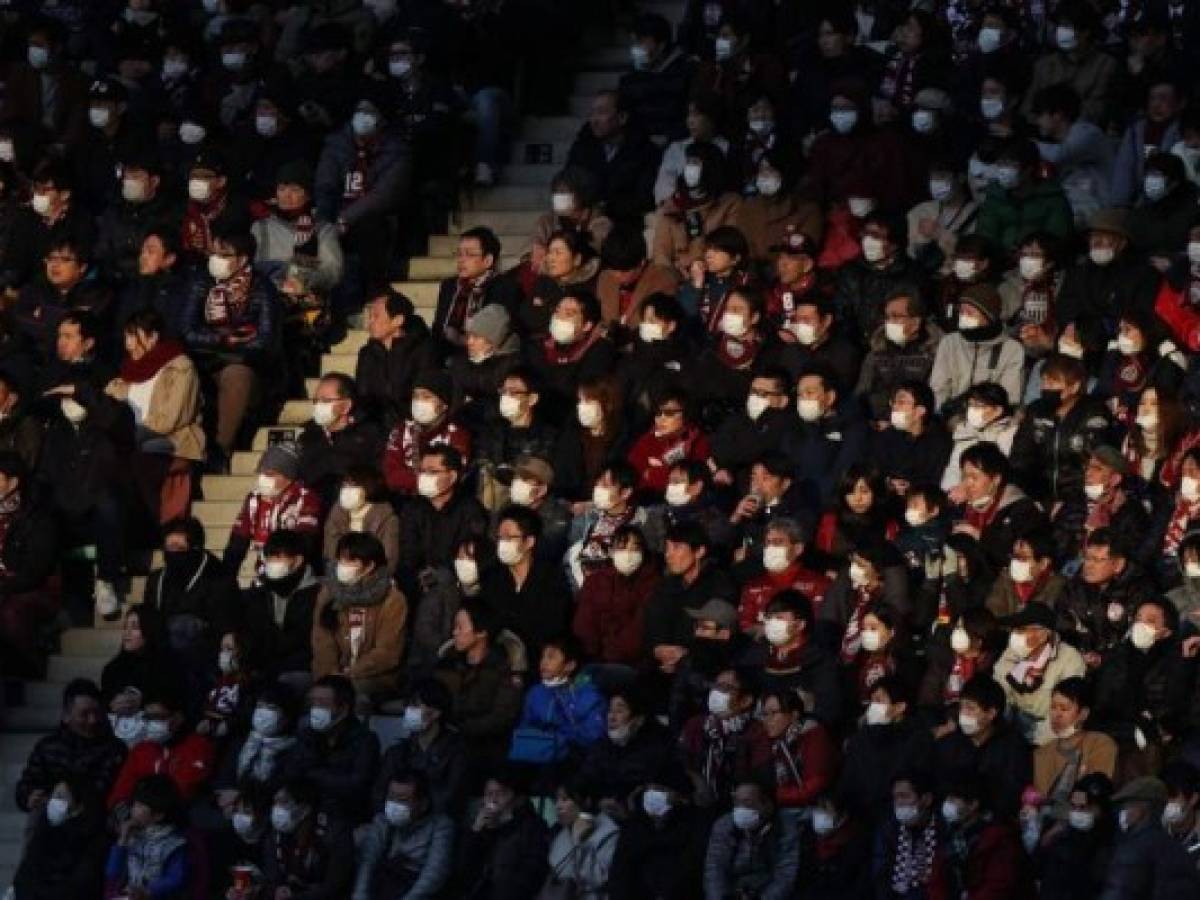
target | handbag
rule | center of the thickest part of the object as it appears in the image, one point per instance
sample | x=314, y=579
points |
x=531, y=744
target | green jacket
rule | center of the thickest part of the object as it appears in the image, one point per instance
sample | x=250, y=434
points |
x=1005, y=217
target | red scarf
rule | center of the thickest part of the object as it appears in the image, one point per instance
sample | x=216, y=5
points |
x=735, y=353
x=468, y=299
x=559, y=355
x=1183, y=513
x=980, y=519
x=137, y=371
x=783, y=299
x=898, y=83
x=197, y=224
x=1026, y=590
x=228, y=300
x=852, y=639
x=960, y=673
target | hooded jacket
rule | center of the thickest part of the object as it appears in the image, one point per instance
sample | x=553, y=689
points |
x=960, y=364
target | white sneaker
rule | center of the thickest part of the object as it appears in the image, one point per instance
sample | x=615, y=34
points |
x=484, y=175
x=108, y=604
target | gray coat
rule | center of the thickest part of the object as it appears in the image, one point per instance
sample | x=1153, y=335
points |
x=277, y=244
x=418, y=856
x=1148, y=864
x=761, y=865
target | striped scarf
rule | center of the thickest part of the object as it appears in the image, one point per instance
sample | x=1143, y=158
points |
x=913, y=864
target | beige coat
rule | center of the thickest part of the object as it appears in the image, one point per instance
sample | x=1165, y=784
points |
x=380, y=521
x=597, y=226
x=673, y=247
x=1066, y=663
x=765, y=222
x=382, y=645
x=1099, y=756
x=655, y=280
x=174, y=410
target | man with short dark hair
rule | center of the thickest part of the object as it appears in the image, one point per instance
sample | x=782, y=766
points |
x=338, y=437
x=399, y=348
x=477, y=283
x=656, y=90
x=620, y=158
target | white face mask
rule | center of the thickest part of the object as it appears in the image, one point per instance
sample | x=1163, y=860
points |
x=1143, y=635
x=589, y=414
x=1173, y=813
x=1065, y=38
x=364, y=123
x=424, y=411
x=677, y=494
x=158, y=730
x=72, y=410
x=656, y=803
x=283, y=819
x=873, y=249
x=40, y=203
x=562, y=203
x=39, y=57
x=968, y=724
x=858, y=575
x=133, y=190
x=603, y=498
x=960, y=641
x=940, y=189
x=99, y=116
x=562, y=330
x=427, y=485
x=951, y=811
x=227, y=662
x=510, y=407
x=872, y=639
x=1189, y=488
x=266, y=486
x=992, y=108
x=768, y=185
x=620, y=734
x=907, y=813
x=1018, y=644
x=860, y=207
x=968, y=321
x=823, y=822
x=746, y=819
x=1154, y=186
x=719, y=702
x=650, y=332
x=1101, y=256
x=923, y=121
x=347, y=572
x=756, y=406
x=1093, y=491
x=964, y=269
x=323, y=414
x=1031, y=267
x=521, y=492
x=1193, y=250
x=1124, y=819
x=989, y=39
x=1007, y=176
x=1081, y=819
x=1128, y=345
x=734, y=324
x=220, y=267
x=639, y=57
x=877, y=713
x=776, y=559
x=508, y=551
x=777, y=631
x=8, y=152
x=1075, y=351
x=234, y=60
x=1115, y=612
x=191, y=134
x=691, y=174
x=761, y=127
x=901, y=419
x=199, y=189
x=1192, y=569
x=352, y=498
x=976, y=417
x=414, y=719
x=627, y=561
x=805, y=332
x=320, y=719
x=174, y=68
x=723, y=48
x=57, y=810
x=265, y=721
x=266, y=126
x=809, y=409
x=397, y=814
x=1021, y=570
x=843, y=120
x=275, y=569
x=894, y=332
x=466, y=571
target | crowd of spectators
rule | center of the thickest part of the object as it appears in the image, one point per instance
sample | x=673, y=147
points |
x=808, y=507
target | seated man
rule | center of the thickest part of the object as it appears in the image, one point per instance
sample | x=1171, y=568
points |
x=753, y=847
x=399, y=349
x=279, y=608
x=477, y=283
x=338, y=437
x=303, y=850
x=504, y=853
x=431, y=422
x=408, y=849
x=279, y=500
x=337, y=752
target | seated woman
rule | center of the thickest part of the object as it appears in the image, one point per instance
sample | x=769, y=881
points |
x=576, y=349
x=591, y=438
x=150, y=857
x=724, y=267
x=362, y=507
x=860, y=513
x=143, y=664
x=738, y=346
x=776, y=210
x=232, y=326
x=584, y=843
x=303, y=852
x=431, y=422
x=611, y=601
x=1143, y=358
x=258, y=756
x=64, y=856
x=360, y=621
x=492, y=350
x=882, y=650
x=574, y=207
x=570, y=264
x=160, y=384
x=701, y=203
x=675, y=438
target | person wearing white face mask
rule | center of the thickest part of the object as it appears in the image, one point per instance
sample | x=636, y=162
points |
x=713, y=278
x=807, y=337
x=888, y=741
x=914, y=449
x=361, y=506
x=1074, y=751
x=755, y=843
x=361, y=620
x=409, y=843
x=1030, y=578
x=279, y=610
x=577, y=342
x=574, y=206
x=673, y=438
x=1180, y=815
x=1079, y=150
x=775, y=210
x=1018, y=202
x=293, y=817
x=711, y=740
x=569, y=710
x=700, y=205
x=865, y=282
x=783, y=569
x=261, y=756
x=935, y=225
x=337, y=437
x=609, y=604
x=430, y=424
x=1035, y=660
x=901, y=350
x=979, y=351
x=613, y=503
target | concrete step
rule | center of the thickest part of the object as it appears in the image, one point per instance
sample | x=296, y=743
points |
x=333, y=362
x=215, y=513
x=590, y=82
x=245, y=463
x=614, y=57
x=519, y=221
x=297, y=412
x=12, y=825
x=87, y=642
x=545, y=151
x=355, y=339
x=16, y=747
x=10, y=774
x=37, y=719
x=46, y=693
x=227, y=487
x=509, y=198
x=438, y=267
x=65, y=668
x=530, y=174
x=423, y=294
x=540, y=129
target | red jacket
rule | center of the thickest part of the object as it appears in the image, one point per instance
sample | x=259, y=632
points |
x=296, y=508
x=608, y=613
x=188, y=763
x=805, y=766
x=652, y=456
x=995, y=867
x=408, y=442
x=1181, y=317
x=758, y=592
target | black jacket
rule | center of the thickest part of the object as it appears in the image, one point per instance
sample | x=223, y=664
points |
x=443, y=763
x=385, y=377
x=79, y=466
x=862, y=290
x=201, y=587
x=626, y=181
x=560, y=381
x=122, y=227
x=1148, y=863
x=741, y=440
x=658, y=96
x=163, y=293
x=1003, y=764
x=22, y=434
x=430, y=537
x=507, y=862
x=29, y=551
x=917, y=459
x=661, y=860
x=65, y=862
x=1093, y=297
x=666, y=619
x=63, y=754
x=538, y=612
x=1147, y=690
x=873, y=755
x=1048, y=454
x=1082, y=610
x=325, y=456
x=262, y=314
x=341, y=763
x=499, y=288
x=286, y=647
x=612, y=771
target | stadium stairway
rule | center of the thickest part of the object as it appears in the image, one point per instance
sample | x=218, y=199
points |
x=509, y=209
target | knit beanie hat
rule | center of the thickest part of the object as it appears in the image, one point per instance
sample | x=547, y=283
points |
x=438, y=383
x=282, y=458
x=491, y=323
x=985, y=298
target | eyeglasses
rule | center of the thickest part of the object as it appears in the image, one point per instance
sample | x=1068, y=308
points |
x=669, y=412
